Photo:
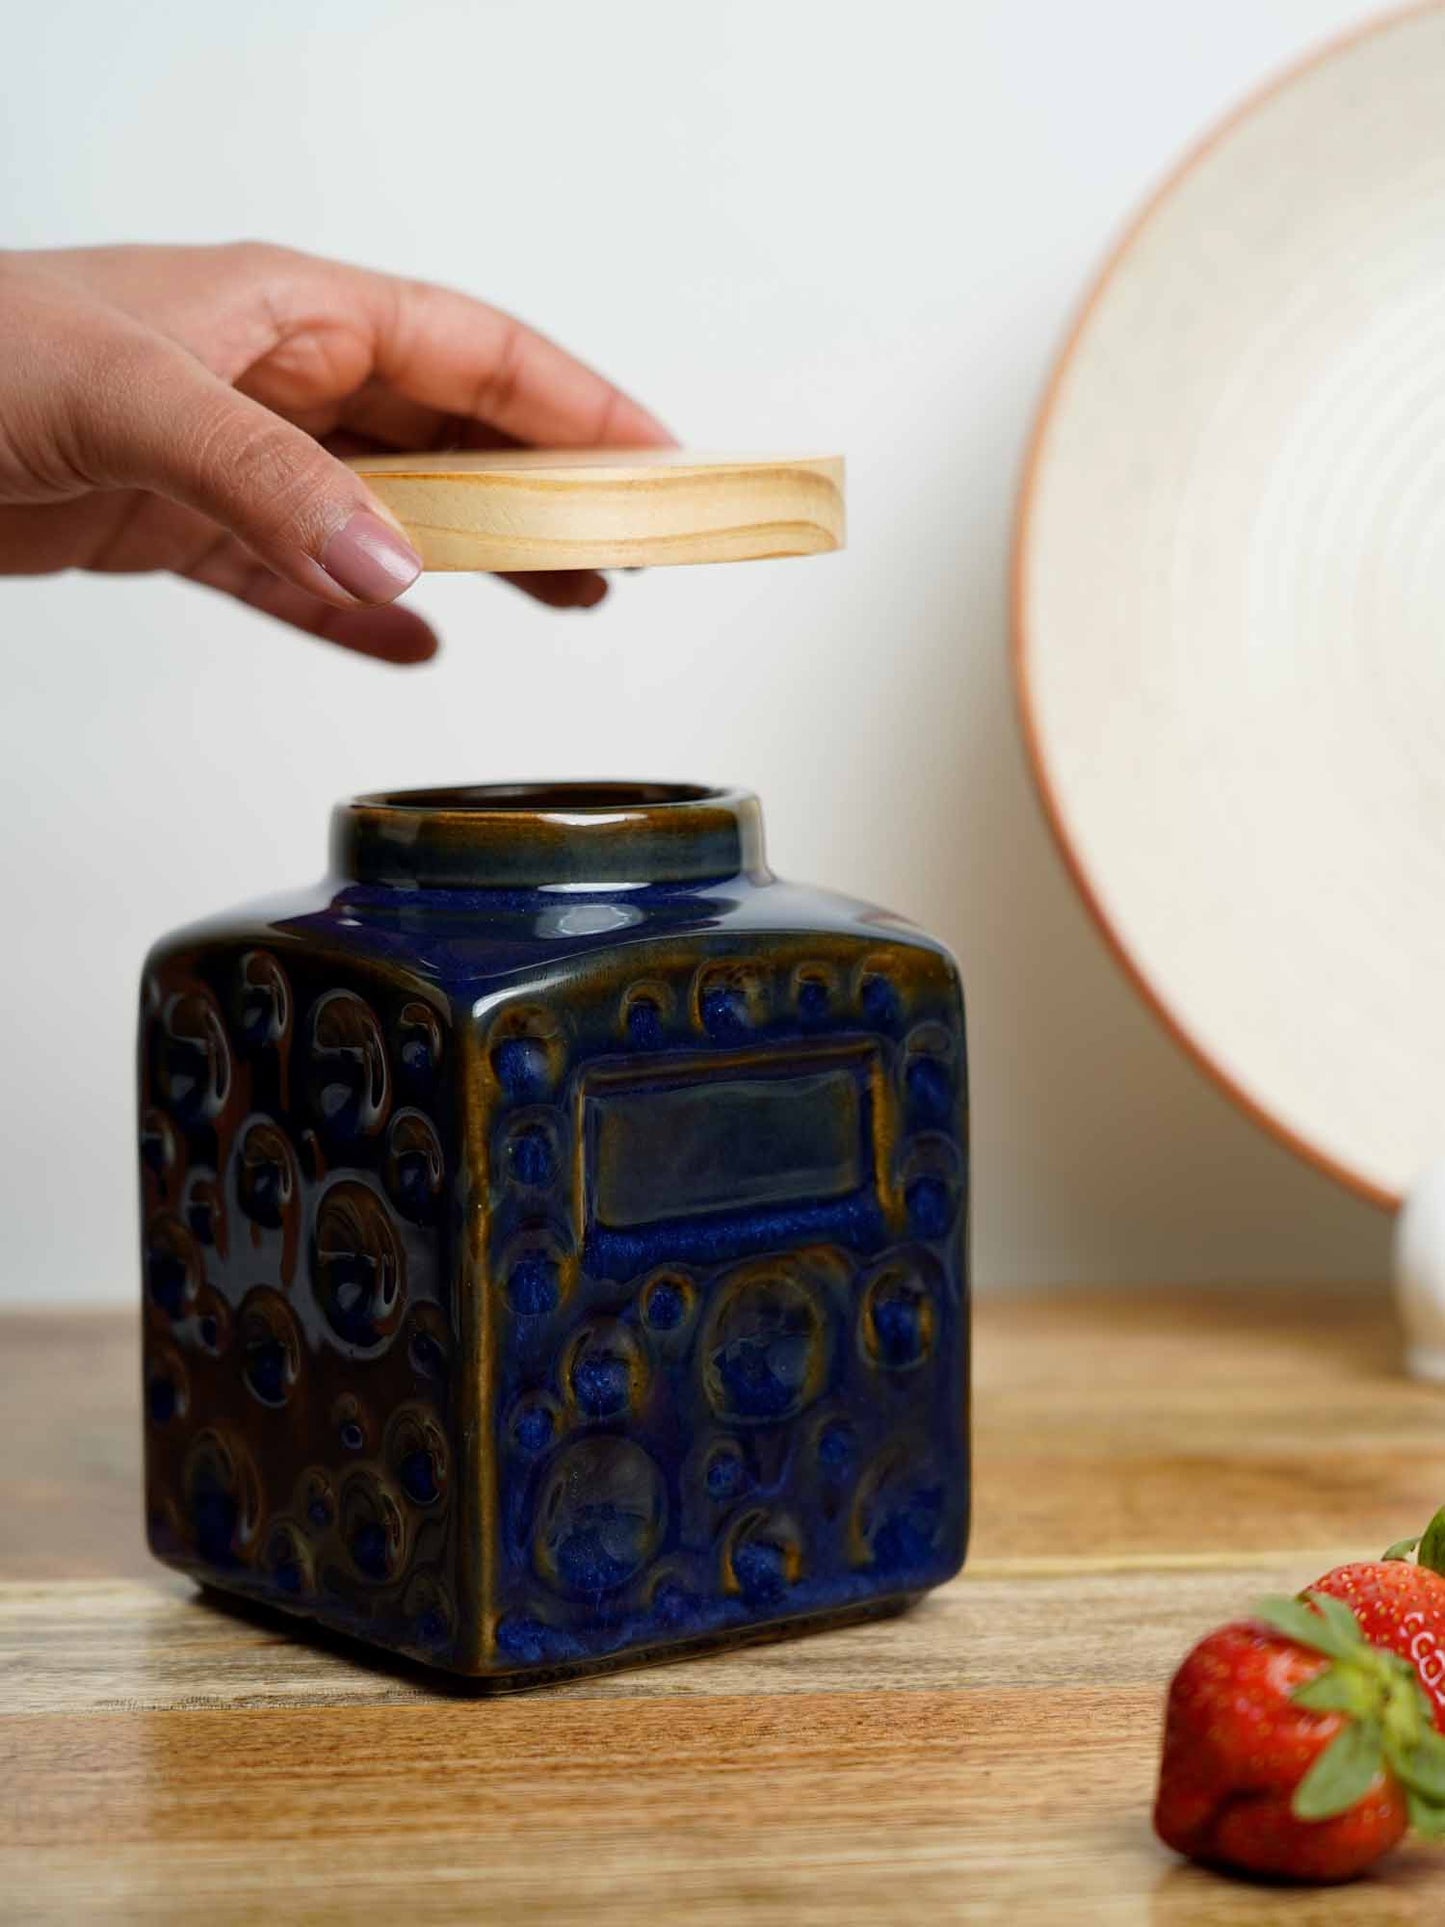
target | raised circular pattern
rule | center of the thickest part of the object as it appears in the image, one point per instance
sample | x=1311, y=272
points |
x=287, y=1559
x=646, y=1013
x=526, y=1052
x=672, y=1601
x=928, y=1086
x=414, y=1168
x=222, y=1497
x=879, y=997
x=763, y=1351
x=173, y=1268
x=351, y=1422
x=668, y=1301
x=418, y=1044
x=898, y=1510
x=428, y=1342
x=531, y=1152
x=730, y=1000
x=315, y=1502
x=534, y=1270
x=928, y=1078
x=600, y=1517
x=429, y=1611
x=533, y=1422
x=167, y=1385
x=347, y=1076
x=267, y=1181
x=814, y=990
x=213, y=1321
x=270, y=1346
x=262, y=1001
x=416, y=1454
x=158, y=1147
x=836, y=1445
x=763, y=1559
x=605, y=1371
x=725, y=1471
x=373, y=1526
x=932, y=1182
x=359, y=1271
x=929, y=1201
x=204, y=1209
x=192, y=1058
x=899, y=1316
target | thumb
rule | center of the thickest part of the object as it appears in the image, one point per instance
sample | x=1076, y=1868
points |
x=163, y=422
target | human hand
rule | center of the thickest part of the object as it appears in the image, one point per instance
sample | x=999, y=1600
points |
x=183, y=409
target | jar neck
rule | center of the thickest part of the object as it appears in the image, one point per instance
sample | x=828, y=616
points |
x=579, y=836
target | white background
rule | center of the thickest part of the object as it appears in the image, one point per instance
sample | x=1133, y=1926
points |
x=820, y=225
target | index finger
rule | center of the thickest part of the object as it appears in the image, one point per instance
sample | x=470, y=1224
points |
x=450, y=352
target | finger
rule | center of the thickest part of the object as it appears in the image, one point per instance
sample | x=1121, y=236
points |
x=158, y=420
x=461, y=357
x=389, y=419
x=555, y=588
x=389, y=635
x=561, y=588
x=300, y=333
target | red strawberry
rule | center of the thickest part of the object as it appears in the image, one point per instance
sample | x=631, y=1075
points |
x=1294, y=1747
x=1401, y=1606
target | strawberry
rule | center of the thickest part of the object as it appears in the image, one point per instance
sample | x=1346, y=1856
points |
x=1295, y=1747
x=1402, y=1606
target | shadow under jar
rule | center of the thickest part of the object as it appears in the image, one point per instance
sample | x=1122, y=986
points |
x=555, y=1237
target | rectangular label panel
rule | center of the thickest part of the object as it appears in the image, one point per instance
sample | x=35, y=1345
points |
x=725, y=1146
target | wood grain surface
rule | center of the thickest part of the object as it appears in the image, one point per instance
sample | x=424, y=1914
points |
x=525, y=509
x=1147, y=1464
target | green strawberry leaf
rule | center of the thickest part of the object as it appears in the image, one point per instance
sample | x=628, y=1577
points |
x=1401, y=1549
x=1421, y=1765
x=1306, y=1627
x=1432, y=1544
x=1339, y=1616
x=1421, y=1701
x=1342, y=1775
x=1339, y=1689
x=1426, y=1817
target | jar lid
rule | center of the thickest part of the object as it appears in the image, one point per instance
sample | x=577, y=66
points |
x=604, y=508
x=548, y=835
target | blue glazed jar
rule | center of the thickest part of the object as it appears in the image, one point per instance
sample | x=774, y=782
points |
x=555, y=1238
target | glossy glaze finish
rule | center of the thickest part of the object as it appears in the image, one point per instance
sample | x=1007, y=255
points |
x=560, y=1263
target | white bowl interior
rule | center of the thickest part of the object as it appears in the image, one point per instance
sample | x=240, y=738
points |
x=1232, y=604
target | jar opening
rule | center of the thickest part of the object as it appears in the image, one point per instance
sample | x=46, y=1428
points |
x=571, y=835
x=544, y=796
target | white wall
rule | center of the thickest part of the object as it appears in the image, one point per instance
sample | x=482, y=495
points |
x=830, y=225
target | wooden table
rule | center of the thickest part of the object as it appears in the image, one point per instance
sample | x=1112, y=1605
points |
x=1147, y=1463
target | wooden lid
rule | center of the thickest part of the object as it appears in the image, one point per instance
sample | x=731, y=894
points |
x=596, y=508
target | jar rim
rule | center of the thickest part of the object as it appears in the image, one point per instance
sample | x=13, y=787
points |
x=572, y=834
x=543, y=798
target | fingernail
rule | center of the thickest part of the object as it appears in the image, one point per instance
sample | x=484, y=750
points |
x=369, y=559
x=591, y=593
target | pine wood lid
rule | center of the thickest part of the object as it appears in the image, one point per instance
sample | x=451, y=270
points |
x=525, y=509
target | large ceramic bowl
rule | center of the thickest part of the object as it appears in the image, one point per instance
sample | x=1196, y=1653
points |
x=1230, y=604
